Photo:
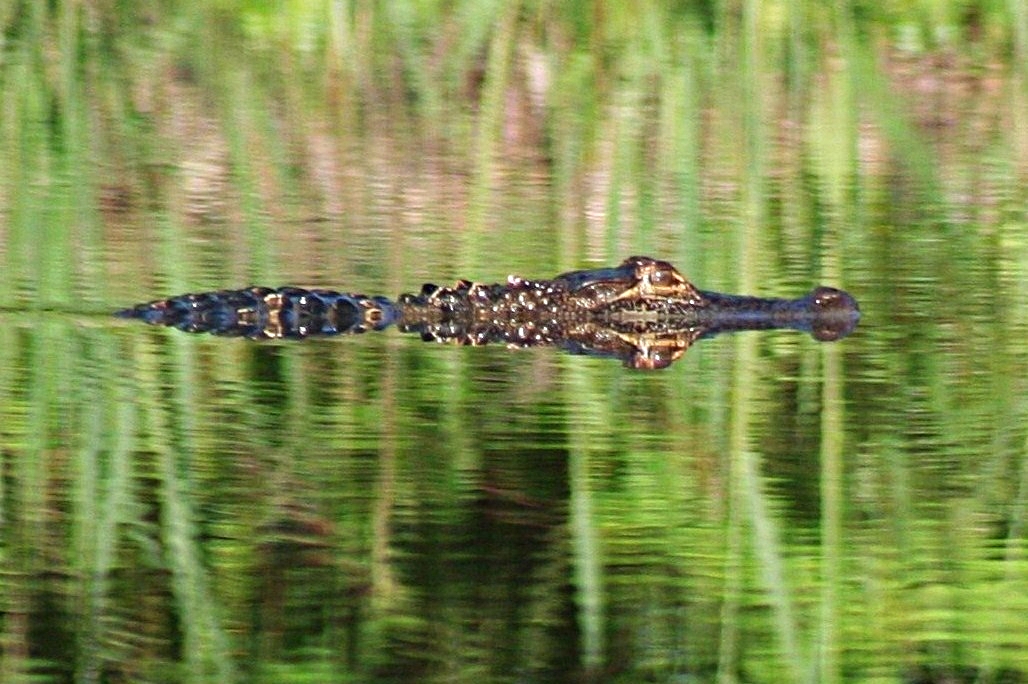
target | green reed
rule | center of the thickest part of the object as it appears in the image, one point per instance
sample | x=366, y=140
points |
x=588, y=554
x=104, y=500
x=489, y=122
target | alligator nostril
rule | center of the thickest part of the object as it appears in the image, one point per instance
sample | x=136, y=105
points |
x=831, y=299
x=831, y=333
x=836, y=314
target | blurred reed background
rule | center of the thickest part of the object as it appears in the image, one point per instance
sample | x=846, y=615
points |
x=178, y=509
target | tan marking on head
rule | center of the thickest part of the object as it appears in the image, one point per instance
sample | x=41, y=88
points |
x=655, y=351
x=659, y=279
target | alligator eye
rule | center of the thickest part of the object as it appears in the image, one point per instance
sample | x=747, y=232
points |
x=661, y=278
x=663, y=274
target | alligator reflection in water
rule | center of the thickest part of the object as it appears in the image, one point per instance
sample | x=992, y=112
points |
x=643, y=312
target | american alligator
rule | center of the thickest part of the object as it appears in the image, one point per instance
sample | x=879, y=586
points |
x=642, y=311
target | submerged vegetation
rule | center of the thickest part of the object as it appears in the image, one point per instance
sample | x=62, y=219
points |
x=194, y=510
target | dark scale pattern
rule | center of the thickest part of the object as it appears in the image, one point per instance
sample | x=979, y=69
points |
x=263, y=312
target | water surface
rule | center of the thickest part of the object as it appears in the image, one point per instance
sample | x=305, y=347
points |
x=183, y=508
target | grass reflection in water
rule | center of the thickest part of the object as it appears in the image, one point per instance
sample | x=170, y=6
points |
x=177, y=508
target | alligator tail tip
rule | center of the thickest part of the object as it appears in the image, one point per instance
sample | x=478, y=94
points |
x=142, y=312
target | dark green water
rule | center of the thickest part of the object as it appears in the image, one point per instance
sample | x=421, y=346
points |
x=180, y=508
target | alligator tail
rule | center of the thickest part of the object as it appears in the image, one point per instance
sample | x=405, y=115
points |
x=268, y=313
